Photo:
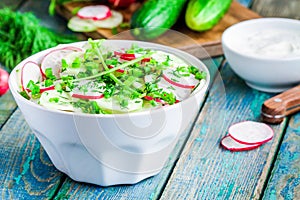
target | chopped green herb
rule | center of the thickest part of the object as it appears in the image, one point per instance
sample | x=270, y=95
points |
x=125, y=25
x=76, y=63
x=48, y=82
x=24, y=94
x=34, y=88
x=200, y=75
x=64, y=65
x=49, y=74
x=114, y=31
x=175, y=80
x=54, y=100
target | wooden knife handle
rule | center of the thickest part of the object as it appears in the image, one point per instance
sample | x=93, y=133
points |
x=276, y=108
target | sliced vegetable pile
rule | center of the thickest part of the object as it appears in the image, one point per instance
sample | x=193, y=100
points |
x=21, y=35
x=93, y=79
x=90, y=18
x=247, y=135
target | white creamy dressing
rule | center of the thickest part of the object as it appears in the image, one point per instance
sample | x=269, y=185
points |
x=273, y=43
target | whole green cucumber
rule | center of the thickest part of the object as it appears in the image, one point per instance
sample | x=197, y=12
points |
x=202, y=15
x=155, y=17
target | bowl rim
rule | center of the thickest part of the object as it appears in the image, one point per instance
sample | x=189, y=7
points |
x=183, y=55
x=265, y=20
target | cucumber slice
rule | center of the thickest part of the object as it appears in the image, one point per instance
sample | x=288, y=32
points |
x=57, y=101
x=77, y=24
x=113, y=105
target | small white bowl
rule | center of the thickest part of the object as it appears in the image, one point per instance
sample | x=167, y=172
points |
x=265, y=52
x=113, y=148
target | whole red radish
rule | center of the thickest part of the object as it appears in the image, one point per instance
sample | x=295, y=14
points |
x=3, y=81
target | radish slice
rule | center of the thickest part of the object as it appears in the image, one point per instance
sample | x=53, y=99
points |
x=249, y=132
x=127, y=56
x=118, y=70
x=55, y=100
x=30, y=71
x=146, y=60
x=47, y=89
x=187, y=82
x=97, y=12
x=82, y=96
x=113, y=105
x=88, y=90
x=115, y=20
x=155, y=99
x=53, y=60
x=230, y=144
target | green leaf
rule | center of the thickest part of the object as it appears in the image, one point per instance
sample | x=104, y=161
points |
x=76, y=63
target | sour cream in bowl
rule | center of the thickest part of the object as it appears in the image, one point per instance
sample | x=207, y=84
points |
x=265, y=52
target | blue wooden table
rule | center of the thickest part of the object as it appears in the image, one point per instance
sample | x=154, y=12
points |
x=198, y=168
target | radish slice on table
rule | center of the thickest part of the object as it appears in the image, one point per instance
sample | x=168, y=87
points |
x=53, y=60
x=250, y=132
x=30, y=71
x=115, y=20
x=230, y=144
x=97, y=12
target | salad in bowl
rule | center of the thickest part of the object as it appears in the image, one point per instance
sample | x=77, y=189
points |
x=109, y=112
x=97, y=80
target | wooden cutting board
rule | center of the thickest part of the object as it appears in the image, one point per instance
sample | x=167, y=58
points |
x=200, y=44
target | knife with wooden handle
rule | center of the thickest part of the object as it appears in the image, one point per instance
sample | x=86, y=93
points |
x=276, y=108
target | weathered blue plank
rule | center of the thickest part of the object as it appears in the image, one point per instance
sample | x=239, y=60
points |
x=246, y=3
x=207, y=171
x=25, y=170
x=285, y=178
x=7, y=106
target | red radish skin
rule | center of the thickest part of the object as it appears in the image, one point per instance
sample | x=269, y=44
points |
x=81, y=96
x=97, y=12
x=47, y=89
x=127, y=56
x=118, y=70
x=155, y=99
x=3, y=81
x=250, y=132
x=117, y=53
x=146, y=60
x=177, y=84
x=230, y=144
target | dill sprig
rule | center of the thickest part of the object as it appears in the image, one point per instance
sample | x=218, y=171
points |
x=21, y=36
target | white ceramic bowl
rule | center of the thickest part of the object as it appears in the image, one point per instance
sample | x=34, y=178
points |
x=265, y=52
x=110, y=149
